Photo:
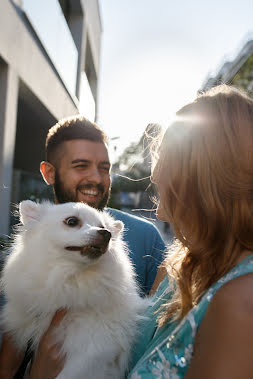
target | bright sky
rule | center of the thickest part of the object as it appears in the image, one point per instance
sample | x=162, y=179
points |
x=156, y=55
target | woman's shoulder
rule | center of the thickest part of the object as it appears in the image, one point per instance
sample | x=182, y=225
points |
x=236, y=294
x=230, y=309
x=226, y=332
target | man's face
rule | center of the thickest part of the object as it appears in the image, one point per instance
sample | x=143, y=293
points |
x=83, y=173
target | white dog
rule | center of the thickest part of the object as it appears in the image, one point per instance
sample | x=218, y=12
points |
x=72, y=256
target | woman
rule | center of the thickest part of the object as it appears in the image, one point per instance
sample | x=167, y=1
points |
x=201, y=323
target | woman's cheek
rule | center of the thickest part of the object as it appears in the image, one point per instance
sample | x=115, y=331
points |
x=160, y=213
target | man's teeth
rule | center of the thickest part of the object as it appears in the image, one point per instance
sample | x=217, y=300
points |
x=90, y=192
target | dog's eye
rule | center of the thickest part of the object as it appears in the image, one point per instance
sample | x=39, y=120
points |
x=72, y=221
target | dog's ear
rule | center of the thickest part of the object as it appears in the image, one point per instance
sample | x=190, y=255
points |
x=118, y=226
x=29, y=211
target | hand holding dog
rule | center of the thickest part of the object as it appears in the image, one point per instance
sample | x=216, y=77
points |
x=48, y=362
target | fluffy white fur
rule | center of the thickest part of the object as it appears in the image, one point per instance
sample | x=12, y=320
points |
x=101, y=295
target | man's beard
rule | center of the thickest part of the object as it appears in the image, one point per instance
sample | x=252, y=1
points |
x=63, y=195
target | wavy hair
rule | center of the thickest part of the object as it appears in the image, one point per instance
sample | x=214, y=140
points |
x=205, y=166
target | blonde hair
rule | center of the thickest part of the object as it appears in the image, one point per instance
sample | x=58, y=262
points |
x=205, y=166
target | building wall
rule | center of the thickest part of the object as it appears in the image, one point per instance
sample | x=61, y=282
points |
x=94, y=27
x=21, y=50
x=33, y=94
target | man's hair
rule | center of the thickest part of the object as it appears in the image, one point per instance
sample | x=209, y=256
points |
x=71, y=128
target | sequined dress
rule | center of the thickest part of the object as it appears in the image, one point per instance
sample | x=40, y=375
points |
x=165, y=353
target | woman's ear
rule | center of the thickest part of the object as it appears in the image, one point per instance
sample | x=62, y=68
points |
x=48, y=172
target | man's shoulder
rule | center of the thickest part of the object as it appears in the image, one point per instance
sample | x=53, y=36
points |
x=130, y=218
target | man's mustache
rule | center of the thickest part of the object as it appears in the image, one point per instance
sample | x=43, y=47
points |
x=98, y=187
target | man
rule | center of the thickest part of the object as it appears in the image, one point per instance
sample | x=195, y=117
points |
x=78, y=167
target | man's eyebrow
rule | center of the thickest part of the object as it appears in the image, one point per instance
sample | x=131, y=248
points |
x=80, y=160
x=105, y=162
x=88, y=161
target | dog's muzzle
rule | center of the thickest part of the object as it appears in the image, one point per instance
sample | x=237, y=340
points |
x=98, y=246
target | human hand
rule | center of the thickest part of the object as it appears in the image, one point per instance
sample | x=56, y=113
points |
x=48, y=362
x=10, y=358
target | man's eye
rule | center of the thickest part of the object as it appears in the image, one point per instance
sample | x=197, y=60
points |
x=72, y=221
x=81, y=166
x=107, y=169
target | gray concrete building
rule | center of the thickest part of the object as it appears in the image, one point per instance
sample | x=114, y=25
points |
x=49, y=69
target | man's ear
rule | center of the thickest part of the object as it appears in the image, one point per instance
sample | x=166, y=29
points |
x=48, y=172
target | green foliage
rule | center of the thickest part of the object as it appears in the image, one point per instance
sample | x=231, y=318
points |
x=3, y=243
x=133, y=168
x=131, y=156
x=114, y=201
x=131, y=182
x=134, y=172
x=133, y=176
x=244, y=77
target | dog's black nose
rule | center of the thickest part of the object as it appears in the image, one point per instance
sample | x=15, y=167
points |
x=106, y=234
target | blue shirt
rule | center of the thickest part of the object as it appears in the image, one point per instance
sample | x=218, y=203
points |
x=145, y=244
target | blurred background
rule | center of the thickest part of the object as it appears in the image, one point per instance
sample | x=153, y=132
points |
x=129, y=65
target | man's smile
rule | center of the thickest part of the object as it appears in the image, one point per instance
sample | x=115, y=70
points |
x=89, y=192
x=89, y=195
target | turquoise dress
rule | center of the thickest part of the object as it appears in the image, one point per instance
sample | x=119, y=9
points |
x=166, y=352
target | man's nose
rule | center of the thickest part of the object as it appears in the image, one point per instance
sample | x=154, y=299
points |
x=94, y=175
